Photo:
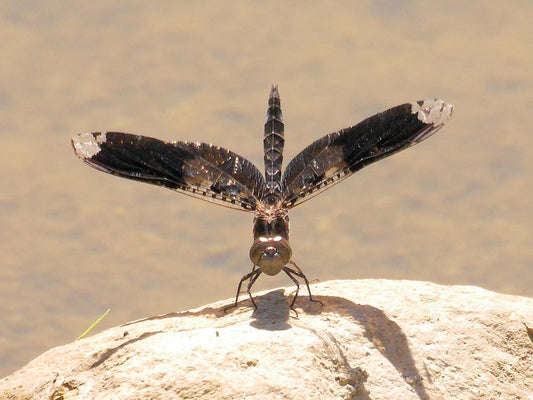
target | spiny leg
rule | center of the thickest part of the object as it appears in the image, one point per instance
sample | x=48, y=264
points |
x=289, y=272
x=251, y=283
x=298, y=272
x=252, y=276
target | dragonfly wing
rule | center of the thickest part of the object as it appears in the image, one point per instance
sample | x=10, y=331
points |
x=338, y=155
x=200, y=170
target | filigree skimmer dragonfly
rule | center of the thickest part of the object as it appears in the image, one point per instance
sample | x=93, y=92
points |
x=220, y=176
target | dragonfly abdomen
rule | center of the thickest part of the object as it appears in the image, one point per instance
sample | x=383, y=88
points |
x=273, y=143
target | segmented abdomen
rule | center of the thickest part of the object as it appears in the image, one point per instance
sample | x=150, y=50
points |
x=273, y=143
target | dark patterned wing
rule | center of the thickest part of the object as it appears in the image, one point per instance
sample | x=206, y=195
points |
x=197, y=169
x=338, y=155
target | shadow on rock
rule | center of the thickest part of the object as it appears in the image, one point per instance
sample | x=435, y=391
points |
x=273, y=313
x=104, y=355
x=385, y=334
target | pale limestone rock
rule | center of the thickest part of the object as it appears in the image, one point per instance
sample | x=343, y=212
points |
x=372, y=339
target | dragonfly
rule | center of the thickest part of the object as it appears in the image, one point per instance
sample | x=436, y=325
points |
x=220, y=176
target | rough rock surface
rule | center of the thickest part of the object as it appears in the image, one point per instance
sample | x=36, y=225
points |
x=372, y=339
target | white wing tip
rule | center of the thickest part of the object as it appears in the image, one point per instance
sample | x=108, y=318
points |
x=87, y=145
x=432, y=111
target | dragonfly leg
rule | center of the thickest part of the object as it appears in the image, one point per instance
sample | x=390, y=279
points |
x=298, y=272
x=289, y=272
x=252, y=276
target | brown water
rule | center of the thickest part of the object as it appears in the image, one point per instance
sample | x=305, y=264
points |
x=456, y=209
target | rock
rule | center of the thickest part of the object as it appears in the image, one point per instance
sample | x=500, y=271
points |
x=372, y=339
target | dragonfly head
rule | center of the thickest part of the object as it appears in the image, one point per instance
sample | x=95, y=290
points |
x=270, y=254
